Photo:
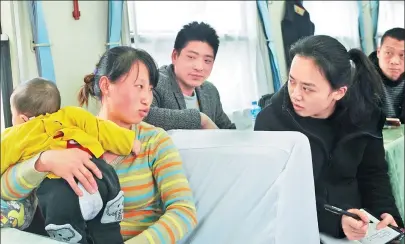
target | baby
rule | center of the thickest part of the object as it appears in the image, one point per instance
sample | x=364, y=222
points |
x=39, y=124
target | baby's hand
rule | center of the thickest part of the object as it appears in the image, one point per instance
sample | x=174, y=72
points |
x=136, y=148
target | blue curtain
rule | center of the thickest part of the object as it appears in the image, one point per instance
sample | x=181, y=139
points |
x=41, y=41
x=114, y=23
x=374, y=5
x=361, y=26
x=265, y=21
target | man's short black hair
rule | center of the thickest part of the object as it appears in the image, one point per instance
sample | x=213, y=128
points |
x=195, y=31
x=396, y=33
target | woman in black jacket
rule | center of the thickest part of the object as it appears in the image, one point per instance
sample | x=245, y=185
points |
x=333, y=97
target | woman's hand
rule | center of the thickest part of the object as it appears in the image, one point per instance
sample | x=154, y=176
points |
x=70, y=164
x=386, y=220
x=355, y=229
x=136, y=148
x=109, y=157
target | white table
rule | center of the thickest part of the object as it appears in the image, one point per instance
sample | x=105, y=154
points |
x=14, y=236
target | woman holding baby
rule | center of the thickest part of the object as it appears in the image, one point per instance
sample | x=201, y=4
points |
x=158, y=203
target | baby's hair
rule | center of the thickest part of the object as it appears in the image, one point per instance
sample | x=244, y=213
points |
x=36, y=97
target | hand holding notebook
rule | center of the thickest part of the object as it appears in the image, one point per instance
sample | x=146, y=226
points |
x=373, y=236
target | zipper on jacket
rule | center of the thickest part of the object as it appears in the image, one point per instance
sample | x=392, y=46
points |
x=327, y=154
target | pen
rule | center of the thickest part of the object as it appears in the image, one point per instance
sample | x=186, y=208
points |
x=339, y=211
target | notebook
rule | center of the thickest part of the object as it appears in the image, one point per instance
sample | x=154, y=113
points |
x=373, y=236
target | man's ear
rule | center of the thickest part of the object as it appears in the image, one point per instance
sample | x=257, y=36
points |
x=378, y=52
x=104, y=85
x=175, y=55
x=340, y=93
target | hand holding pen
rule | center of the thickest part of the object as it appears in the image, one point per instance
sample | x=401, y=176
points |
x=355, y=222
x=355, y=228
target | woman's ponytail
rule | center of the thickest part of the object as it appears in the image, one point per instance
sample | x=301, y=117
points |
x=364, y=94
x=86, y=90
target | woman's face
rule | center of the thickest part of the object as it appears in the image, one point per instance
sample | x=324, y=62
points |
x=310, y=93
x=127, y=101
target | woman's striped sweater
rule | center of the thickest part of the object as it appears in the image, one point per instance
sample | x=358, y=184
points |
x=158, y=207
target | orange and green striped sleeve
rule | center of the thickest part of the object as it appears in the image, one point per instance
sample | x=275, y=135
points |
x=18, y=181
x=179, y=216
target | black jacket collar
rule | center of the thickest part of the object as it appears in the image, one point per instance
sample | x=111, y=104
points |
x=373, y=127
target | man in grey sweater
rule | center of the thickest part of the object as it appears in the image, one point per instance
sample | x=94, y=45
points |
x=389, y=61
x=183, y=99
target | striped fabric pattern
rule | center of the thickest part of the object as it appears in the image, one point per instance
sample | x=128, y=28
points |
x=158, y=198
x=158, y=205
x=19, y=180
x=393, y=99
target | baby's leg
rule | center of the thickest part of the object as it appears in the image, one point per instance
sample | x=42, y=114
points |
x=105, y=227
x=61, y=210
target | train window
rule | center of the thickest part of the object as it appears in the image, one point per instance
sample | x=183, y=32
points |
x=390, y=15
x=337, y=19
x=154, y=25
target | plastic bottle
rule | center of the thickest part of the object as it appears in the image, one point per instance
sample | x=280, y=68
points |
x=254, y=111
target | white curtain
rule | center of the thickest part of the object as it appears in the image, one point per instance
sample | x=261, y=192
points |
x=338, y=19
x=390, y=15
x=154, y=25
